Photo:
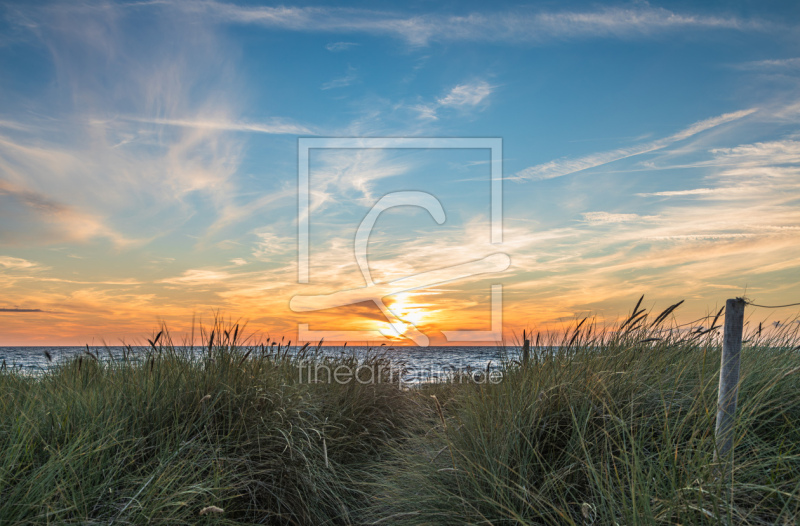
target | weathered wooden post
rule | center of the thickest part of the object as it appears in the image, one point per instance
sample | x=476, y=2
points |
x=526, y=348
x=729, y=384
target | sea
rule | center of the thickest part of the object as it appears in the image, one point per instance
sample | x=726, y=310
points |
x=422, y=364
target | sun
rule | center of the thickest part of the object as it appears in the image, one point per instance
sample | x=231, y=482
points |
x=409, y=313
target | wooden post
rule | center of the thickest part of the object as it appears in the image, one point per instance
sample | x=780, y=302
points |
x=526, y=348
x=729, y=384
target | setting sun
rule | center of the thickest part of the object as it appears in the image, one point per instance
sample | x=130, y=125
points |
x=408, y=311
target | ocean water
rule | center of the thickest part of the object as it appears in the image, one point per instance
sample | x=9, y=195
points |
x=422, y=363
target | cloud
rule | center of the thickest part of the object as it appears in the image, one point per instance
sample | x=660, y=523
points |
x=142, y=141
x=518, y=26
x=342, y=82
x=11, y=263
x=270, y=245
x=231, y=215
x=11, y=125
x=783, y=63
x=275, y=127
x=39, y=218
x=426, y=111
x=351, y=174
x=679, y=193
x=760, y=153
x=566, y=166
x=462, y=97
x=596, y=218
x=740, y=228
x=703, y=237
x=340, y=46
x=707, y=124
x=469, y=95
x=21, y=310
x=199, y=277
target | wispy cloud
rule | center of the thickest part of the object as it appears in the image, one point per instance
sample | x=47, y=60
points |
x=12, y=263
x=761, y=153
x=676, y=248
x=20, y=310
x=42, y=219
x=739, y=229
x=466, y=95
x=179, y=137
x=342, y=82
x=340, y=46
x=521, y=25
x=599, y=218
x=679, y=193
x=351, y=174
x=272, y=246
x=771, y=64
x=199, y=277
x=462, y=97
x=11, y=125
x=275, y=127
x=566, y=166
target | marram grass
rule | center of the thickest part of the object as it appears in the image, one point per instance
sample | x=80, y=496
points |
x=228, y=437
x=597, y=427
x=615, y=427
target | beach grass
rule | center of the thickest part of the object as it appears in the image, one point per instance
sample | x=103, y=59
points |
x=600, y=426
x=227, y=435
x=609, y=427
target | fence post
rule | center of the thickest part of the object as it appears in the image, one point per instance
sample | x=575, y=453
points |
x=729, y=384
x=526, y=348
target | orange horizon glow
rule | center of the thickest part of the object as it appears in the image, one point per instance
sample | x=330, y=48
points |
x=423, y=315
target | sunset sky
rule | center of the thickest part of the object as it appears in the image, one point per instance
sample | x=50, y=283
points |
x=149, y=161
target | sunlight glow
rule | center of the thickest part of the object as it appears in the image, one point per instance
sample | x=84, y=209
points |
x=410, y=314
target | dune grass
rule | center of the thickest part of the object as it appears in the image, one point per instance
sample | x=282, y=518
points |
x=607, y=426
x=610, y=427
x=161, y=439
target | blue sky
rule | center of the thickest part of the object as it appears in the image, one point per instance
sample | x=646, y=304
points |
x=148, y=158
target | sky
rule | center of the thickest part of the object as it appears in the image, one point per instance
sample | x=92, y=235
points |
x=149, y=163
